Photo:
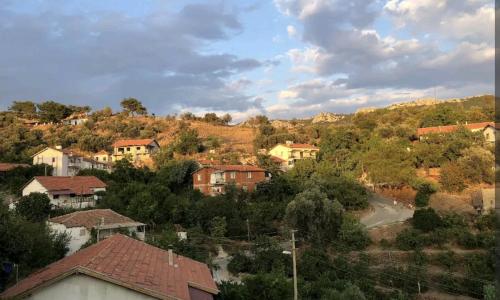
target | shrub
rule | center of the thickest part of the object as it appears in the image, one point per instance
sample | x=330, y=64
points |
x=424, y=192
x=239, y=264
x=410, y=239
x=467, y=240
x=452, y=178
x=447, y=259
x=426, y=219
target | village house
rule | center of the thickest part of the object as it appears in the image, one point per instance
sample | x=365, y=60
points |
x=103, y=157
x=67, y=191
x=287, y=154
x=488, y=129
x=105, y=222
x=66, y=162
x=120, y=268
x=135, y=151
x=484, y=200
x=76, y=119
x=213, y=179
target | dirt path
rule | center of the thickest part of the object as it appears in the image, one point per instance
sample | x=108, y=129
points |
x=385, y=212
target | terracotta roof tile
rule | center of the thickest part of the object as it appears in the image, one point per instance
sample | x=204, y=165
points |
x=238, y=168
x=133, y=142
x=78, y=185
x=4, y=167
x=451, y=128
x=128, y=262
x=91, y=218
x=300, y=146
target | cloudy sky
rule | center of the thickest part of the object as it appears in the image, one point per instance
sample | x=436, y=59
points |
x=283, y=58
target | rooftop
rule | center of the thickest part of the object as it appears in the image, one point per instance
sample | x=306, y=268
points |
x=237, y=168
x=127, y=262
x=91, y=218
x=78, y=185
x=300, y=146
x=132, y=142
x=4, y=167
x=451, y=128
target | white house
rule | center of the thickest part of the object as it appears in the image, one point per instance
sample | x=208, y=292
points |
x=105, y=222
x=67, y=163
x=67, y=191
x=76, y=119
x=118, y=268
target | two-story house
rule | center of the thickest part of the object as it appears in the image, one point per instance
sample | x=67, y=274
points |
x=287, y=154
x=103, y=157
x=67, y=191
x=213, y=179
x=65, y=162
x=136, y=151
x=78, y=226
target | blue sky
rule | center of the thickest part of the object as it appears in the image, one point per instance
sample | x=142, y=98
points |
x=282, y=58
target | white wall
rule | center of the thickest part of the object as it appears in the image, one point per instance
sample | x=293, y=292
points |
x=78, y=235
x=83, y=287
x=34, y=187
x=60, y=164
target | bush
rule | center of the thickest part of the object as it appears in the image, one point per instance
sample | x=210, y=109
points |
x=426, y=219
x=467, y=240
x=35, y=207
x=410, y=239
x=452, y=178
x=424, y=192
x=239, y=264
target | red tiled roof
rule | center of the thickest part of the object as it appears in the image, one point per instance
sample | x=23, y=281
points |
x=78, y=185
x=127, y=262
x=238, y=168
x=141, y=142
x=277, y=159
x=451, y=128
x=300, y=146
x=91, y=218
x=4, y=167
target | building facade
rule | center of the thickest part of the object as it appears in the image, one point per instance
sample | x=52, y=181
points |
x=213, y=180
x=65, y=162
x=78, y=226
x=290, y=152
x=67, y=191
x=135, y=151
x=488, y=129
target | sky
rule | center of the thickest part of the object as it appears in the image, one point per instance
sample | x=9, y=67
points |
x=282, y=58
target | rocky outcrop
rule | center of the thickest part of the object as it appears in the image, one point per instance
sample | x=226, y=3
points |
x=327, y=117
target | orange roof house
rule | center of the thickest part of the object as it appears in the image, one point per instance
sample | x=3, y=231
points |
x=488, y=128
x=120, y=267
x=213, y=179
x=135, y=150
x=66, y=191
x=287, y=154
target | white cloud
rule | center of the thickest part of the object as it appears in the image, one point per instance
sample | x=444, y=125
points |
x=291, y=30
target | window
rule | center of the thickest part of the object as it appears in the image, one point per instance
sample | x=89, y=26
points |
x=72, y=195
x=245, y=188
x=199, y=177
x=53, y=159
x=249, y=175
x=56, y=197
x=128, y=149
x=138, y=148
x=96, y=158
x=104, y=158
x=232, y=175
x=82, y=232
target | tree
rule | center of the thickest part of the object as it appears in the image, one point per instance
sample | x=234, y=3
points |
x=426, y=219
x=132, y=105
x=51, y=111
x=477, y=165
x=218, y=227
x=452, y=177
x=24, y=108
x=226, y=119
x=317, y=218
x=188, y=142
x=35, y=207
x=268, y=286
x=352, y=235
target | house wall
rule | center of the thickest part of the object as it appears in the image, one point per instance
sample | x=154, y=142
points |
x=83, y=287
x=489, y=134
x=287, y=153
x=102, y=158
x=134, y=153
x=241, y=180
x=281, y=152
x=78, y=235
x=54, y=158
x=60, y=200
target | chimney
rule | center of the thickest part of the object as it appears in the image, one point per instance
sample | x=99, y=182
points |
x=59, y=147
x=170, y=257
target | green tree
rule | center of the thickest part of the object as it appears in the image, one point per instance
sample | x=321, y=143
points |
x=452, y=177
x=317, y=218
x=268, y=286
x=188, y=142
x=426, y=219
x=133, y=106
x=26, y=109
x=218, y=227
x=35, y=207
x=51, y=111
x=352, y=234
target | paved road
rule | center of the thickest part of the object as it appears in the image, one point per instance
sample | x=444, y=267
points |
x=221, y=273
x=385, y=212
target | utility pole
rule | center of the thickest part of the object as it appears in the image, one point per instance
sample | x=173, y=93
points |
x=294, y=261
x=248, y=230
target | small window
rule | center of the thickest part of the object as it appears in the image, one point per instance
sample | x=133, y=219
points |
x=138, y=148
x=199, y=177
x=72, y=195
x=53, y=159
x=96, y=158
x=128, y=149
x=104, y=158
x=249, y=175
x=56, y=197
x=82, y=232
x=232, y=175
